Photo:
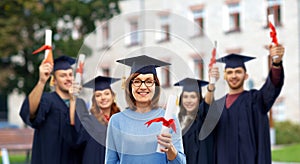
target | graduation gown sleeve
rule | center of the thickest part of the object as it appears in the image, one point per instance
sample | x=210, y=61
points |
x=49, y=145
x=41, y=112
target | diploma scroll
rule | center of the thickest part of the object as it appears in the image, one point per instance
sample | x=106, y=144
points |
x=48, y=41
x=170, y=111
x=273, y=31
x=79, y=70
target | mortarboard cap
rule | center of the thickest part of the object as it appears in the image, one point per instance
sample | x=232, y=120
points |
x=100, y=83
x=63, y=63
x=234, y=60
x=190, y=84
x=143, y=64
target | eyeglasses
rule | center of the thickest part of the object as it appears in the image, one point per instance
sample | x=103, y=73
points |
x=138, y=83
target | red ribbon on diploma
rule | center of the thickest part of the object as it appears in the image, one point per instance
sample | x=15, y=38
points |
x=213, y=57
x=273, y=34
x=49, y=58
x=106, y=117
x=169, y=123
x=80, y=68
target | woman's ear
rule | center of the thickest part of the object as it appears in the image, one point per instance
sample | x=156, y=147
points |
x=113, y=96
x=94, y=103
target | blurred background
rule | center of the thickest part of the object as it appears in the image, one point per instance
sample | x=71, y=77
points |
x=185, y=31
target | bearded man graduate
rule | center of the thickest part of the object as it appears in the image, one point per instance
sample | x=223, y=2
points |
x=47, y=113
x=242, y=135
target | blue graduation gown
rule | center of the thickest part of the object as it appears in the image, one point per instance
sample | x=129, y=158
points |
x=49, y=145
x=242, y=133
x=197, y=151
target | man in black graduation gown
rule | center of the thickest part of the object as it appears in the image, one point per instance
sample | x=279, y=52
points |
x=47, y=114
x=242, y=133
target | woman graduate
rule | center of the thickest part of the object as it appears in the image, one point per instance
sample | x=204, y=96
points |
x=191, y=118
x=129, y=140
x=92, y=134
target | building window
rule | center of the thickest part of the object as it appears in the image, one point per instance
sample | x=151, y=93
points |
x=198, y=14
x=198, y=67
x=105, y=34
x=166, y=78
x=106, y=71
x=164, y=35
x=166, y=32
x=134, y=38
x=279, y=109
x=200, y=22
x=233, y=21
x=274, y=8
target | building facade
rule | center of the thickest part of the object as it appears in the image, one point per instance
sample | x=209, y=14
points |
x=183, y=33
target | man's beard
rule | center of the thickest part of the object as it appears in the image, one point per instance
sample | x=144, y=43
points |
x=64, y=90
x=238, y=85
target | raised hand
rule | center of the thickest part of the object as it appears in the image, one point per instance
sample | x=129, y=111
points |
x=276, y=50
x=214, y=73
x=74, y=90
x=45, y=72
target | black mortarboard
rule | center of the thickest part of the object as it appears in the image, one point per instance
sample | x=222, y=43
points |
x=143, y=64
x=234, y=60
x=100, y=83
x=190, y=84
x=63, y=63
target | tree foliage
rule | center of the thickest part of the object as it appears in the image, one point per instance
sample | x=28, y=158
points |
x=23, y=23
x=287, y=133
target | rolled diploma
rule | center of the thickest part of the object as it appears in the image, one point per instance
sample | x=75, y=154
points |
x=271, y=20
x=48, y=41
x=78, y=75
x=171, y=109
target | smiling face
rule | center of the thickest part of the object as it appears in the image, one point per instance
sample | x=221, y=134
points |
x=145, y=92
x=63, y=80
x=190, y=101
x=235, y=78
x=104, y=98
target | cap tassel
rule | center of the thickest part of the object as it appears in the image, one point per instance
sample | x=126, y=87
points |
x=123, y=82
x=51, y=81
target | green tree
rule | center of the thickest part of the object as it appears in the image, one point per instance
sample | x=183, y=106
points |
x=23, y=23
